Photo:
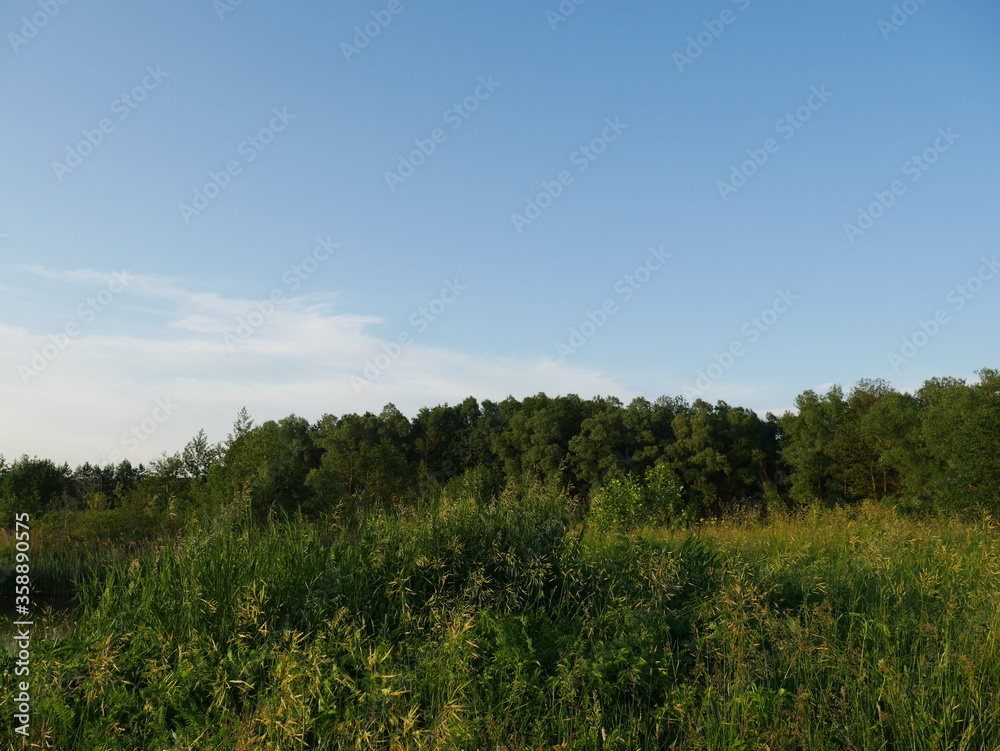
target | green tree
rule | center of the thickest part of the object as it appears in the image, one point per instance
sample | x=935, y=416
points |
x=199, y=456
x=450, y=440
x=603, y=446
x=536, y=435
x=34, y=486
x=651, y=428
x=724, y=456
x=806, y=445
x=856, y=448
x=271, y=460
x=960, y=428
x=363, y=463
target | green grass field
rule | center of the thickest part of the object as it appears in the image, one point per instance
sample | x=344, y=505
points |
x=508, y=625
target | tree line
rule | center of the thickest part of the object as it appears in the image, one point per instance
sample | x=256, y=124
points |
x=935, y=449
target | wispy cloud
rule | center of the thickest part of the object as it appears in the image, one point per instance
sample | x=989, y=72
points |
x=106, y=380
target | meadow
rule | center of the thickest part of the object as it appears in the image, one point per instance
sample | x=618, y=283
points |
x=513, y=622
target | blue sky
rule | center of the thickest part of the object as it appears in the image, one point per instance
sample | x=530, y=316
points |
x=206, y=205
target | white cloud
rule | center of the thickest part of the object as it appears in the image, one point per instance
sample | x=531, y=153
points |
x=107, y=379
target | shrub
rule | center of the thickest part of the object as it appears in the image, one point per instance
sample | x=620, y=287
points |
x=627, y=502
x=665, y=496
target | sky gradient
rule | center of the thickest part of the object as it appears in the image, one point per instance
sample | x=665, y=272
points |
x=328, y=207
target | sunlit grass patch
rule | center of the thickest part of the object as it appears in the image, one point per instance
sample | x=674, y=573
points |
x=482, y=623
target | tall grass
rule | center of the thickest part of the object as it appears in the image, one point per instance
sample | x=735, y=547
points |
x=504, y=624
x=856, y=628
x=57, y=567
x=67, y=545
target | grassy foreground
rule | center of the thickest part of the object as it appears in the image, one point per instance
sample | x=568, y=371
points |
x=505, y=626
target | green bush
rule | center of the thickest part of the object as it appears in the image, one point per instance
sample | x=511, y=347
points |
x=626, y=501
x=665, y=496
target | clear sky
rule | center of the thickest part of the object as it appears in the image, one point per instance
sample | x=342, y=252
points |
x=320, y=208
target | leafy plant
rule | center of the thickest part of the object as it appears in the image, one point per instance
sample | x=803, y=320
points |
x=626, y=501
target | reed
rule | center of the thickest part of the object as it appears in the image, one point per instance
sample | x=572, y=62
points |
x=508, y=624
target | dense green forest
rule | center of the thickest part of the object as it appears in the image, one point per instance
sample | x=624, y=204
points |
x=936, y=449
